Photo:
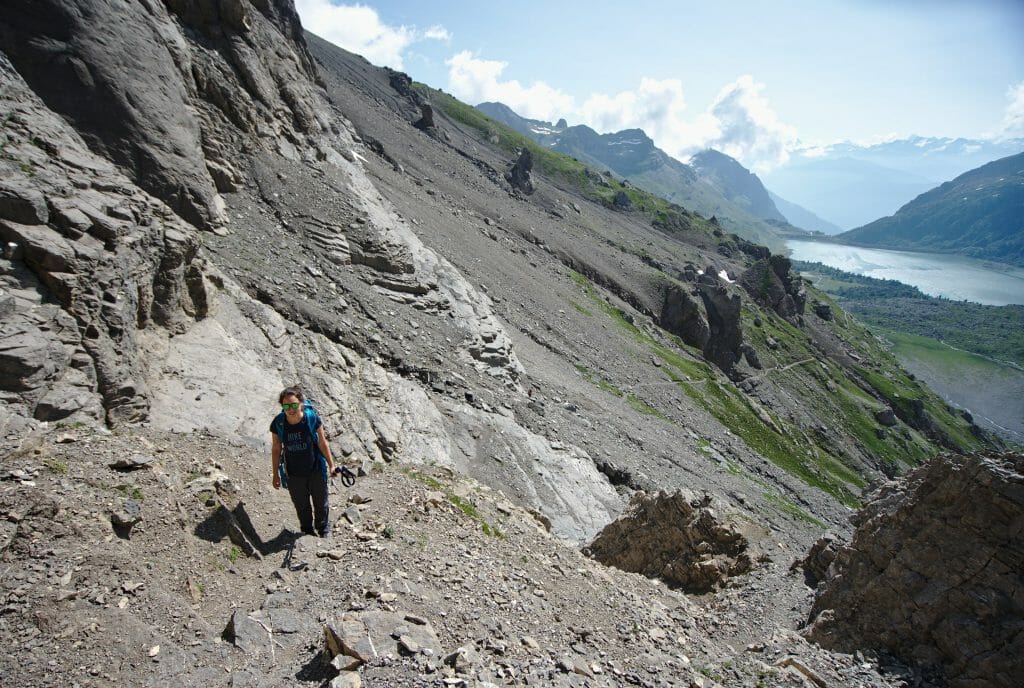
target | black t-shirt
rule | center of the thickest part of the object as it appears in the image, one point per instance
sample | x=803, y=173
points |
x=299, y=446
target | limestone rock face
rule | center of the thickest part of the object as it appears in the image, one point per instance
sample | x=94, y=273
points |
x=933, y=573
x=676, y=538
x=138, y=87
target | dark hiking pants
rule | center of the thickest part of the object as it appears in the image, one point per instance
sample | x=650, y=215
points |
x=309, y=495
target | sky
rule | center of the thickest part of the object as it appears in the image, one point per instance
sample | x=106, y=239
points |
x=754, y=79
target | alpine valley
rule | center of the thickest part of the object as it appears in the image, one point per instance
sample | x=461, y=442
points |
x=604, y=433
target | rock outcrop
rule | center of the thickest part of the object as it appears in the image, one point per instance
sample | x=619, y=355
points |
x=519, y=174
x=677, y=538
x=771, y=283
x=933, y=573
x=137, y=86
x=682, y=315
x=91, y=261
x=725, y=334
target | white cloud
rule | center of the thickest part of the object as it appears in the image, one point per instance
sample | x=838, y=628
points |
x=749, y=130
x=474, y=81
x=437, y=33
x=1013, y=118
x=657, y=107
x=359, y=29
x=740, y=122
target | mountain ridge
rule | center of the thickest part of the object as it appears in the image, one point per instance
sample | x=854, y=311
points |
x=850, y=184
x=736, y=183
x=979, y=214
x=632, y=155
x=803, y=217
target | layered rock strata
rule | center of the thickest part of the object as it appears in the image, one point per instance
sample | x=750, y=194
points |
x=89, y=261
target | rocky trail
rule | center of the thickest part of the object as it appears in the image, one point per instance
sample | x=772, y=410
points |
x=130, y=575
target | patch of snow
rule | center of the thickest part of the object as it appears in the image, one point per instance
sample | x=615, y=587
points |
x=725, y=276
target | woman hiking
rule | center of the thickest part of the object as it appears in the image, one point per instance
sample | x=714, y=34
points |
x=301, y=457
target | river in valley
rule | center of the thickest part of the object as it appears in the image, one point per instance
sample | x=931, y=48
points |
x=953, y=277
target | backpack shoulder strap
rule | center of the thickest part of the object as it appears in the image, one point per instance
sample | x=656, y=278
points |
x=311, y=419
x=311, y=422
x=278, y=425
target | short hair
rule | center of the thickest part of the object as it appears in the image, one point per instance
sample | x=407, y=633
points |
x=293, y=391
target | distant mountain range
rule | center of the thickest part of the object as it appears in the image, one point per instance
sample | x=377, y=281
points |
x=824, y=190
x=801, y=217
x=850, y=185
x=978, y=214
x=714, y=185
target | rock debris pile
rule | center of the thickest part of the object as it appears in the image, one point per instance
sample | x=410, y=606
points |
x=677, y=538
x=933, y=573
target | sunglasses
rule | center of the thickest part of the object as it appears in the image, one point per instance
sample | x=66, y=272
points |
x=290, y=407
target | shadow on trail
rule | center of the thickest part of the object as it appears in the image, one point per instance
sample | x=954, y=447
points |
x=235, y=525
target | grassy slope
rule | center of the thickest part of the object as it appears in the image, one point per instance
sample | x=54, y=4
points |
x=818, y=459
x=993, y=391
x=996, y=332
x=971, y=354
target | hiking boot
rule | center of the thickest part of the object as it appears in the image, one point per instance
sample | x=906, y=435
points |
x=308, y=531
x=325, y=533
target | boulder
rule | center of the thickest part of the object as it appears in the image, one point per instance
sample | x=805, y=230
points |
x=249, y=632
x=932, y=574
x=815, y=564
x=676, y=538
x=347, y=679
x=519, y=174
x=367, y=635
x=750, y=354
x=622, y=201
x=126, y=517
x=426, y=120
x=823, y=311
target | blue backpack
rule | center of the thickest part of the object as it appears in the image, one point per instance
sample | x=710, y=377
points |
x=309, y=411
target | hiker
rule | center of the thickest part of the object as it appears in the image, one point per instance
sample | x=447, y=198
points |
x=299, y=446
